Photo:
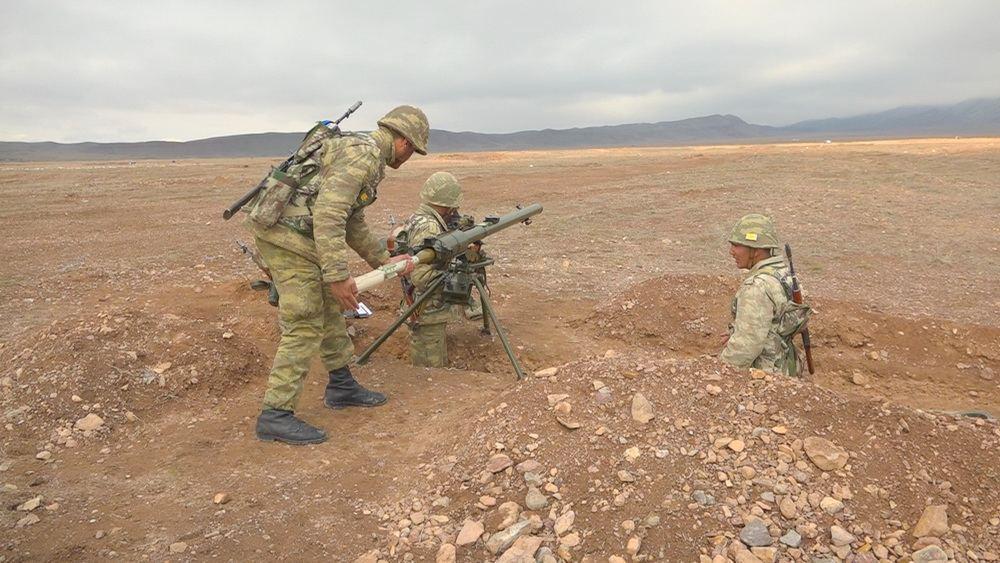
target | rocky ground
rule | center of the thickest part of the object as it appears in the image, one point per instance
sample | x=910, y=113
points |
x=133, y=357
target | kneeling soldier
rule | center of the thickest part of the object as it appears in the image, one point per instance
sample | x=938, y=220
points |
x=765, y=319
x=440, y=199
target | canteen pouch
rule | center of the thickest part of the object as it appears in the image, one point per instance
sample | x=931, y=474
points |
x=274, y=197
x=791, y=317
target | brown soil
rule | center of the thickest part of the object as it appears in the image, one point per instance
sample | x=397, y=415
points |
x=112, y=271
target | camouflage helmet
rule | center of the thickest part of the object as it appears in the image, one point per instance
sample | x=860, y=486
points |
x=756, y=231
x=409, y=122
x=442, y=189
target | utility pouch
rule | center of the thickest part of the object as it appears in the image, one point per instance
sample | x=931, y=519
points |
x=791, y=318
x=274, y=197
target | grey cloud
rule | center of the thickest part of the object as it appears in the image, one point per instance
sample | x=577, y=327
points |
x=115, y=70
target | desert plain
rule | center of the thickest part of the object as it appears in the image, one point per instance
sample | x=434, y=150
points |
x=133, y=357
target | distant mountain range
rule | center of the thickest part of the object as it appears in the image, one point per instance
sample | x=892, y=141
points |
x=979, y=117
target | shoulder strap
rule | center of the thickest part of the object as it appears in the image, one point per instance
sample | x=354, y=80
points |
x=773, y=272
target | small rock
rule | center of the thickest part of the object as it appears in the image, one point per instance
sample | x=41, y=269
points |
x=445, y=554
x=556, y=398
x=859, y=378
x=471, y=531
x=824, y=453
x=933, y=522
x=737, y=445
x=570, y=540
x=76, y=399
x=528, y=465
x=840, y=537
x=791, y=539
x=508, y=513
x=703, y=498
x=487, y=500
x=930, y=554
x=603, y=396
x=89, y=422
x=632, y=454
x=523, y=550
x=562, y=408
x=500, y=541
x=642, y=409
x=568, y=423
x=713, y=389
x=178, y=547
x=755, y=534
x=44, y=455
x=831, y=505
x=130, y=416
x=535, y=500
x=498, y=463
x=625, y=476
x=746, y=556
x=29, y=505
x=787, y=508
x=633, y=546
x=547, y=372
x=564, y=523
x=221, y=498
x=28, y=521
x=765, y=554
x=370, y=557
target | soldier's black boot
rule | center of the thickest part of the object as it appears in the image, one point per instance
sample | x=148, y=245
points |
x=345, y=391
x=275, y=425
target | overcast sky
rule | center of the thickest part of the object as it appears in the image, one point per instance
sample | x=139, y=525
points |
x=103, y=70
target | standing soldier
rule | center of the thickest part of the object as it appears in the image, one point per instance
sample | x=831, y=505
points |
x=765, y=319
x=307, y=252
x=440, y=199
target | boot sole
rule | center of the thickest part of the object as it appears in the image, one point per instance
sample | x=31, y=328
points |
x=338, y=406
x=272, y=438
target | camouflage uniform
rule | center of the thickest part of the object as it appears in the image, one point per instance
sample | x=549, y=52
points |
x=308, y=249
x=428, y=344
x=308, y=215
x=764, y=318
x=754, y=339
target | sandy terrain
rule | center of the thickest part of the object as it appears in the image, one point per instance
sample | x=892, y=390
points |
x=125, y=296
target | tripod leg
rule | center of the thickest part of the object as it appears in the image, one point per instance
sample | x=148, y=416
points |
x=488, y=309
x=486, y=318
x=363, y=358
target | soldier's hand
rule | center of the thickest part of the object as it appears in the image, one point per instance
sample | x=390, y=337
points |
x=403, y=257
x=346, y=293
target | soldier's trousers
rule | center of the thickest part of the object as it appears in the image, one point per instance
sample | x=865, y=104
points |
x=429, y=345
x=311, y=323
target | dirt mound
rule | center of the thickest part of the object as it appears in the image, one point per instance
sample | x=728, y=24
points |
x=686, y=314
x=925, y=362
x=726, y=455
x=117, y=364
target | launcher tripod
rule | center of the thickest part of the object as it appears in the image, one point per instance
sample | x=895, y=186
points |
x=458, y=280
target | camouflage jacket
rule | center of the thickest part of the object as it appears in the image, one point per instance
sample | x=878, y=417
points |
x=327, y=215
x=423, y=224
x=754, y=339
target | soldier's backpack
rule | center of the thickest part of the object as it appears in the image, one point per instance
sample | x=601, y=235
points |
x=294, y=176
x=791, y=316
